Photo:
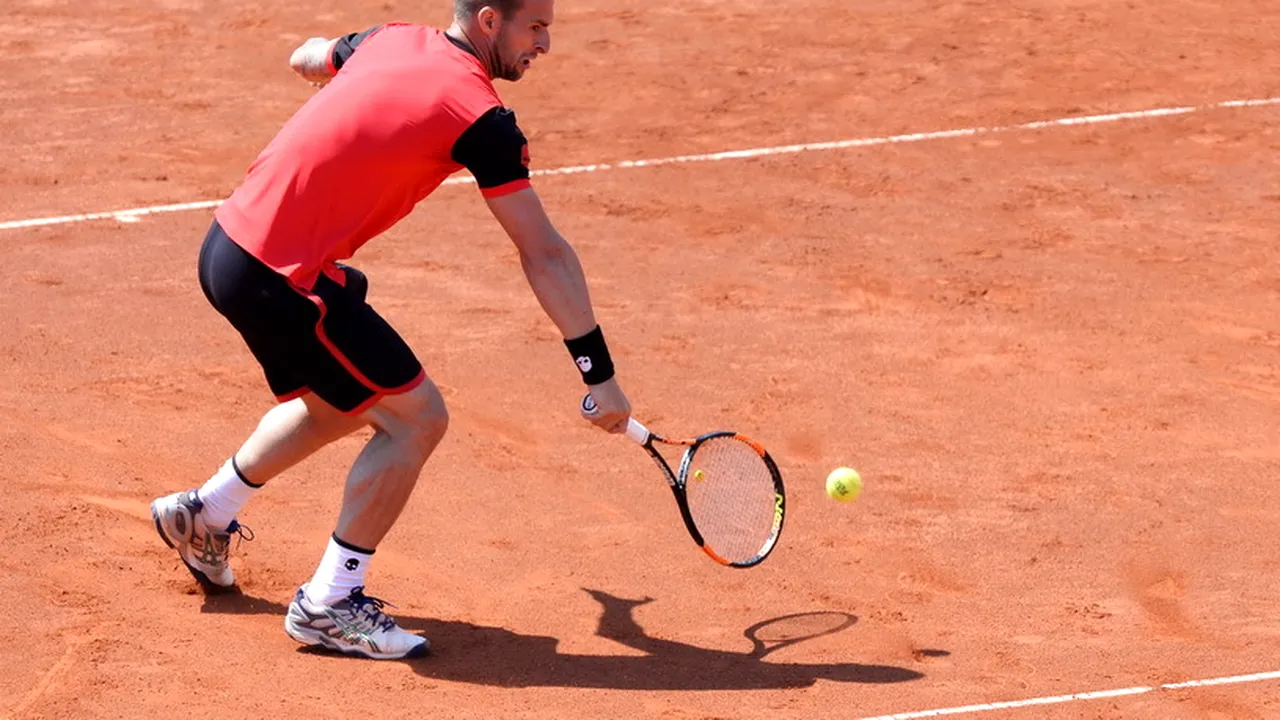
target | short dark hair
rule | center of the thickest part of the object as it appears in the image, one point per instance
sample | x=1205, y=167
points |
x=466, y=8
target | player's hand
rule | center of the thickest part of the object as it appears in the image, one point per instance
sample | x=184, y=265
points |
x=311, y=61
x=607, y=407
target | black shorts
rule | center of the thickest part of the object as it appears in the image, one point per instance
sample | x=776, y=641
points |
x=326, y=340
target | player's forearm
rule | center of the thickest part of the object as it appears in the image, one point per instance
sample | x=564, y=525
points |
x=555, y=275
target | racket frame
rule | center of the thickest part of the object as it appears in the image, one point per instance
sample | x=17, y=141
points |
x=678, y=481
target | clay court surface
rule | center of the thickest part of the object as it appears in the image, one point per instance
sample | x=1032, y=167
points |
x=1053, y=353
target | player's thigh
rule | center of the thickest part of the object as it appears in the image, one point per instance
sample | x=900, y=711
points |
x=327, y=420
x=366, y=358
x=276, y=321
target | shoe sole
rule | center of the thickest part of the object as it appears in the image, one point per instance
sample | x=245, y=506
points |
x=210, y=587
x=323, y=641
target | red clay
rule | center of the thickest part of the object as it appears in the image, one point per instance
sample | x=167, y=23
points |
x=1054, y=355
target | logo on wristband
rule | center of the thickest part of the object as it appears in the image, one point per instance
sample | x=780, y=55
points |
x=591, y=355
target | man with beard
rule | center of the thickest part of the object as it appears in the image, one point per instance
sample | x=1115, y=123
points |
x=401, y=108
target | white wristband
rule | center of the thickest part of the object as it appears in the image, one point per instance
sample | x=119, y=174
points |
x=312, y=60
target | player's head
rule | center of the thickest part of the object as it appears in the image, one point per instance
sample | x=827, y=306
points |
x=517, y=31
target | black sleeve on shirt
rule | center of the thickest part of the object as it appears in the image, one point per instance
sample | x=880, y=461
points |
x=346, y=46
x=494, y=149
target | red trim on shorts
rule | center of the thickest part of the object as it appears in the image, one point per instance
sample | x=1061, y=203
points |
x=333, y=349
x=506, y=188
x=422, y=375
x=379, y=391
x=293, y=395
x=342, y=359
x=378, y=396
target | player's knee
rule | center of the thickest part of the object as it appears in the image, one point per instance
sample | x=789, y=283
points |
x=429, y=425
x=417, y=418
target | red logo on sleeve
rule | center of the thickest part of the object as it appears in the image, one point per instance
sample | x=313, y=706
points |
x=524, y=154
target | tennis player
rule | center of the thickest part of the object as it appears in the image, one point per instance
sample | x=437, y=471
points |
x=401, y=108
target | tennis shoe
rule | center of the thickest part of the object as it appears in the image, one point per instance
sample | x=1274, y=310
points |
x=355, y=625
x=203, y=550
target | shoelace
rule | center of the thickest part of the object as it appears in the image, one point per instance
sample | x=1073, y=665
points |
x=241, y=531
x=370, y=608
x=218, y=549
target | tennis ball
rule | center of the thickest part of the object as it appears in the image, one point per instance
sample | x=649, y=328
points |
x=699, y=475
x=844, y=484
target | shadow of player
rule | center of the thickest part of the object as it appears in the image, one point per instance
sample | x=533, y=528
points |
x=483, y=655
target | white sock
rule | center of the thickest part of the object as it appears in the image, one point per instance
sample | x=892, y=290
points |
x=341, y=570
x=224, y=494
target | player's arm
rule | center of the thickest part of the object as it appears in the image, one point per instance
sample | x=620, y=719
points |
x=549, y=262
x=318, y=59
x=495, y=151
x=555, y=274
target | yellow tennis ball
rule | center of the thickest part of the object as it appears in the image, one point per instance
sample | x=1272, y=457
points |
x=699, y=475
x=844, y=484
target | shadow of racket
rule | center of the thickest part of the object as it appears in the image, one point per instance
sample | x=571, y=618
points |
x=772, y=635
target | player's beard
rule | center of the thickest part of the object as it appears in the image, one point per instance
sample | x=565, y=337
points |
x=505, y=69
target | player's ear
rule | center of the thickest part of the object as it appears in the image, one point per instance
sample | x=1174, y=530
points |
x=488, y=18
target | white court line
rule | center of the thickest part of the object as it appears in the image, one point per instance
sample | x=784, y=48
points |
x=1057, y=699
x=132, y=214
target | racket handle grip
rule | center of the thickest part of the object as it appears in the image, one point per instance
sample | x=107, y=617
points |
x=638, y=433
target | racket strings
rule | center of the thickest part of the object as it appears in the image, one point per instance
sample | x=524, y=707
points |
x=731, y=498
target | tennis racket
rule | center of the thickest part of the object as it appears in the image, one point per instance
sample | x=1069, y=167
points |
x=728, y=490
